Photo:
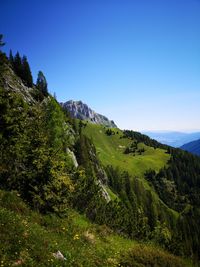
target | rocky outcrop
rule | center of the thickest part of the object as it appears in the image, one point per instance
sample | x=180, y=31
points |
x=81, y=111
x=103, y=190
x=73, y=157
x=11, y=82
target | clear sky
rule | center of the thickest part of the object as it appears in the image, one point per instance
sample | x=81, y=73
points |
x=135, y=61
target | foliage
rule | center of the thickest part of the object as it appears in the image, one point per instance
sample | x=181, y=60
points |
x=142, y=138
x=178, y=186
x=110, y=132
x=35, y=138
x=21, y=67
x=1, y=40
x=41, y=83
x=31, y=238
x=3, y=61
x=142, y=256
x=26, y=76
x=110, y=151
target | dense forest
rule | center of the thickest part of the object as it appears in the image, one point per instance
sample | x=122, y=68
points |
x=46, y=157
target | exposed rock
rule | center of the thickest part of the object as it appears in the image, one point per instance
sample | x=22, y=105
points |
x=12, y=82
x=81, y=111
x=58, y=255
x=18, y=262
x=73, y=157
x=89, y=237
x=104, y=191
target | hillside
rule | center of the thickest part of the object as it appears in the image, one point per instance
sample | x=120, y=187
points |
x=192, y=147
x=117, y=197
x=110, y=149
x=32, y=239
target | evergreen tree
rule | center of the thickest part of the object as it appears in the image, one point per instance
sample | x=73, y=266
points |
x=26, y=72
x=11, y=58
x=18, y=65
x=42, y=83
x=1, y=41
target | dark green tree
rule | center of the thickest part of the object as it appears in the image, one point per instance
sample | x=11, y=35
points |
x=42, y=83
x=18, y=65
x=26, y=72
x=1, y=40
x=11, y=58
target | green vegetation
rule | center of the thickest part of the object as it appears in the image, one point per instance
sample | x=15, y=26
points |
x=42, y=83
x=21, y=68
x=110, y=150
x=30, y=239
x=1, y=40
x=67, y=170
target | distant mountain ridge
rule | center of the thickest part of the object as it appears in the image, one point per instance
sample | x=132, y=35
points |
x=174, y=139
x=81, y=111
x=192, y=147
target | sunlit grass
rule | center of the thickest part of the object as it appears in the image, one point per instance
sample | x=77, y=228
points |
x=30, y=239
x=110, y=150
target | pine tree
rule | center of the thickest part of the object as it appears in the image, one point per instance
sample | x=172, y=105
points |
x=26, y=72
x=11, y=58
x=1, y=41
x=42, y=83
x=18, y=65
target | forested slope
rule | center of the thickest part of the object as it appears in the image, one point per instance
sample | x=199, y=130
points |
x=57, y=165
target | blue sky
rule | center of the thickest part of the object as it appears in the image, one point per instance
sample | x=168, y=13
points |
x=135, y=61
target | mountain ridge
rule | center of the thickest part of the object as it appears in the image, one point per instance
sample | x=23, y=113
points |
x=192, y=147
x=173, y=138
x=82, y=111
x=38, y=141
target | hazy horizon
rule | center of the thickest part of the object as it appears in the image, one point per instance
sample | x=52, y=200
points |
x=136, y=62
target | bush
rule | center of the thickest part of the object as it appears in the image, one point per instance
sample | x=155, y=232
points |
x=142, y=256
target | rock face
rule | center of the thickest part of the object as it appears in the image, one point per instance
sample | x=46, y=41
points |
x=81, y=111
x=11, y=82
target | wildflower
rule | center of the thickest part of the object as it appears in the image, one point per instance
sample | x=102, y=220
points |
x=76, y=237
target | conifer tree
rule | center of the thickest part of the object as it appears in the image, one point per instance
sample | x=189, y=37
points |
x=26, y=72
x=1, y=41
x=11, y=58
x=18, y=64
x=42, y=83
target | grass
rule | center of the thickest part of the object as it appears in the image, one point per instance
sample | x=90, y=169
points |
x=30, y=239
x=110, y=152
x=112, y=195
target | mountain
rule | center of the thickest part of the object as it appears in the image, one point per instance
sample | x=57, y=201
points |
x=193, y=147
x=98, y=196
x=174, y=139
x=81, y=111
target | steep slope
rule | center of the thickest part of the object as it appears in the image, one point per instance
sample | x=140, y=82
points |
x=11, y=82
x=110, y=149
x=31, y=239
x=164, y=181
x=192, y=147
x=51, y=162
x=81, y=111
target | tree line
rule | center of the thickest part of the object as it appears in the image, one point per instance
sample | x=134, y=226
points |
x=21, y=67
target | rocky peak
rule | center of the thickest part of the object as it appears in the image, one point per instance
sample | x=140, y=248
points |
x=81, y=111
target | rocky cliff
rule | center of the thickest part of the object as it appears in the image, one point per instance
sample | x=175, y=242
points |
x=81, y=111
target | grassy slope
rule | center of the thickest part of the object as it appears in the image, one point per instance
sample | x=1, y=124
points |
x=110, y=151
x=30, y=239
